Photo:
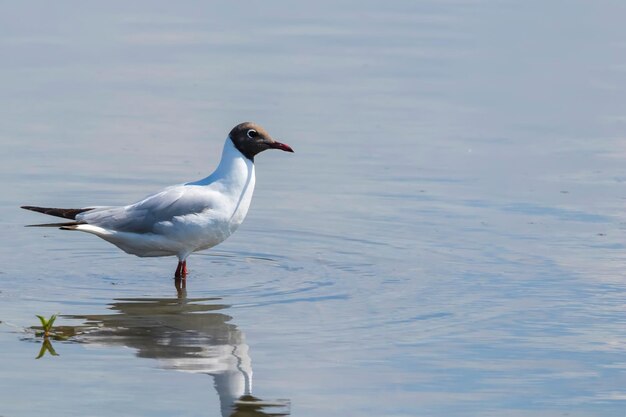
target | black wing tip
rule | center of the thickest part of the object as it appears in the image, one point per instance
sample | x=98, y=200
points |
x=57, y=212
x=36, y=208
x=62, y=226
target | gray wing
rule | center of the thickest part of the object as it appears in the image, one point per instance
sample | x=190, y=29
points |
x=143, y=216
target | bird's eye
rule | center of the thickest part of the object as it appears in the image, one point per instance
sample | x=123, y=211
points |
x=252, y=133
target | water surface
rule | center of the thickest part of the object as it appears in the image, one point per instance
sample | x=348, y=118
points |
x=447, y=239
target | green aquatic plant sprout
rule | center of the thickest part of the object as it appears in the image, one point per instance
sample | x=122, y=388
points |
x=47, y=324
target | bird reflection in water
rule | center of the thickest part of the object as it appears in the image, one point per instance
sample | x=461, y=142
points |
x=190, y=335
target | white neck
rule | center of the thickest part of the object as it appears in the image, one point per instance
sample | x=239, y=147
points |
x=234, y=168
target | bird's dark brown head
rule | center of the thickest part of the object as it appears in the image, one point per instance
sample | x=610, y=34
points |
x=251, y=139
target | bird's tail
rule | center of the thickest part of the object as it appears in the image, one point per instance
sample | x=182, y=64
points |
x=58, y=212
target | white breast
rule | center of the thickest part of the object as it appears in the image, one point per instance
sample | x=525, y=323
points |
x=243, y=200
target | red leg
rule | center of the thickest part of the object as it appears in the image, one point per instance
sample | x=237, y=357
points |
x=181, y=269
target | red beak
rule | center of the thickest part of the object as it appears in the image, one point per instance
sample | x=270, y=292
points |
x=281, y=146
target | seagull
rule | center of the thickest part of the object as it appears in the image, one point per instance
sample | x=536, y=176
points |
x=185, y=218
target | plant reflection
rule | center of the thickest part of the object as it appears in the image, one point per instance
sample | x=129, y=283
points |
x=46, y=347
x=190, y=335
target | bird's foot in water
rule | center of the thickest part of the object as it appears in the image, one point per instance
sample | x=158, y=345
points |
x=181, y=287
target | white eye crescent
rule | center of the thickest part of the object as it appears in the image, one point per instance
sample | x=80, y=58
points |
x=252, y=133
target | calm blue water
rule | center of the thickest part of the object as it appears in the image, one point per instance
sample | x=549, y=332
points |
x=447, y=240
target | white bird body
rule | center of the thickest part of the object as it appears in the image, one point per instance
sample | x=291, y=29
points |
x=180, y=219
x=185, y=218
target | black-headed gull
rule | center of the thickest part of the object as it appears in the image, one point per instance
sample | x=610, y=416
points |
x=181, y=219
